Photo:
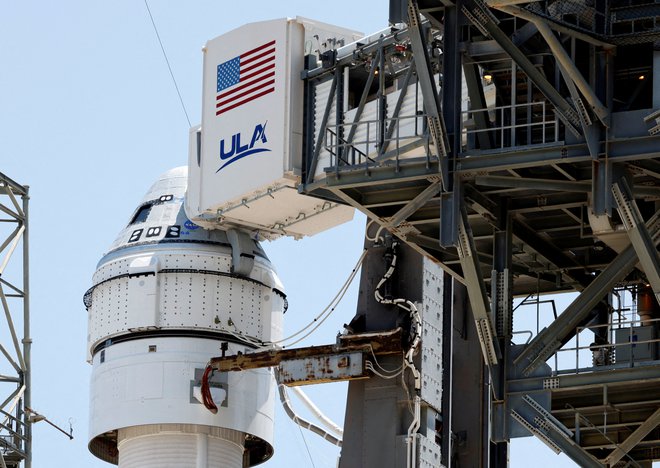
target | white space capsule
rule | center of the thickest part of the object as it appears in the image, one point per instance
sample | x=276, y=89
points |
x=165, y=299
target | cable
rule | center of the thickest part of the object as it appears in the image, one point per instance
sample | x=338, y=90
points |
x=206, y=391
x=168, y=63
x=405, y=304
x=376, y=238
x=369, y=366
x=306, y=446
x=387, y=371
x=329, y=308
x=315, y=323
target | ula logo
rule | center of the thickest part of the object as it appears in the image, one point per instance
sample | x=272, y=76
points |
x=231, y=151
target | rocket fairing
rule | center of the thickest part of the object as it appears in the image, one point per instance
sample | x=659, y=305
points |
x=165, y=299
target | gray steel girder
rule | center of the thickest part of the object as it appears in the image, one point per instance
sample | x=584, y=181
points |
x=320, y=138
x=477, y=293
x=538, y=421
x=633, y=439
x=484, y=20
x=429, y=91
x=639, y=236
x=550, y=339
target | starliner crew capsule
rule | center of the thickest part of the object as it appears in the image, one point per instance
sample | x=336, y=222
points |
x=166, y=297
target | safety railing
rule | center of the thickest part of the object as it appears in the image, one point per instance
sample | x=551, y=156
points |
x=376, y=142
x=625, y=341
x=513, y=125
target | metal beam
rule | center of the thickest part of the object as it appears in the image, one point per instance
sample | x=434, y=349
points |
x=536, y=184
x=573, y=73
x=415, y=204
x=529, y=16
x=483, y=19
x=487, y=208
x=394, y=123
x=476, y=288
x=365, y=94
x=388, y=342
x=429, y=91
x=619, y=150
x=477, y=101
x=320, y=138
x=639, y=236
x=633, y=439
x=6, y=182
x=538, y=421
x=550, y=339
x=411, y=234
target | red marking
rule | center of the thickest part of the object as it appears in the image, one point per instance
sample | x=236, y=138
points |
x=257, y=57
x=245, y=93
x=247, y=77
x=252, y=98
x=252, y=67
x=257, y=49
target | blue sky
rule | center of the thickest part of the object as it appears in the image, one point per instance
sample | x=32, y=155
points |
x=89, y=118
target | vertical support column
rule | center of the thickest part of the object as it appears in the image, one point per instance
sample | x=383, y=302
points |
x=501, y=297
x=448, y=334
x=377, y=417
x=451, y=114
x=656, y=75
x=451, y=91
x=27, y=340
x=469, y=391
x=339, y=115
x=514, y=100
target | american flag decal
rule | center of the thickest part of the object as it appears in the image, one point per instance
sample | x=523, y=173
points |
x=246, y=78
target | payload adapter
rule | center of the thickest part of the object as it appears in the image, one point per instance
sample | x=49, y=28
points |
x=167, y=296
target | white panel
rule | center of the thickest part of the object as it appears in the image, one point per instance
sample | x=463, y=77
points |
x=150, y=380
x=321, y=99
x=245, y=141
x=142, y=302
x=246, y=169
x=187, y=299
x=428, y=453
x=432, y=335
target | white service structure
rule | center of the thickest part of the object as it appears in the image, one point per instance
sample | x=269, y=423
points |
x=246, y=159
x=168, y=296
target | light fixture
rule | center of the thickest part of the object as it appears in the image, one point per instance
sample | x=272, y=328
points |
x=641, y=77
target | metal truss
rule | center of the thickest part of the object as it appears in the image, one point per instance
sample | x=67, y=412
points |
x=549, y=183
x=15, y=430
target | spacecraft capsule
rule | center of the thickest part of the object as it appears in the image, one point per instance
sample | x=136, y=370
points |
x=166, y=297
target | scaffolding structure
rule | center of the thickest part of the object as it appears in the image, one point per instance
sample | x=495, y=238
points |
x=15, y=429
x=517, y=145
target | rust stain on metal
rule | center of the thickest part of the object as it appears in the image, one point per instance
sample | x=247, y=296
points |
x=388, y=342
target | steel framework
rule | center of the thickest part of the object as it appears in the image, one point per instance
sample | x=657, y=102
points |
x=516, y=144
x=15, y=430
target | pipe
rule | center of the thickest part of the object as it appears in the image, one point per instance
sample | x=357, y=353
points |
x=411, y=439
x=317, y=412
x=286, y=403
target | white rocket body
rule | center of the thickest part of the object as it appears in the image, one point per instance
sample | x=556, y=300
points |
x=165, y=299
